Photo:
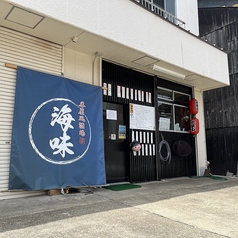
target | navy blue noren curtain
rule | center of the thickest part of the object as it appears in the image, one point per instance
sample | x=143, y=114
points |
x=57, y=135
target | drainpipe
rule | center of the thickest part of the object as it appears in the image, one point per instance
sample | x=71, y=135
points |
x=97, y=54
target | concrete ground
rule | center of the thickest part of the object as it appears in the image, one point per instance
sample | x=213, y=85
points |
x=182, y=207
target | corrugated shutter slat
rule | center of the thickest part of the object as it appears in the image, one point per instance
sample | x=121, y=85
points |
x=29, y=52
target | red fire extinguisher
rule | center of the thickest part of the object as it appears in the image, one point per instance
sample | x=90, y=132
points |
x=193, y=106
x=194, y=126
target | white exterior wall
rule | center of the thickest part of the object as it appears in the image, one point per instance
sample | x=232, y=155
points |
x=81, y=67
x=187, y=11
x=201, y=148
x=131, y=25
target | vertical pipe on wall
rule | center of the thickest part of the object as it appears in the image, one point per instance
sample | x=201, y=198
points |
x=97, y=54
x=100, y=73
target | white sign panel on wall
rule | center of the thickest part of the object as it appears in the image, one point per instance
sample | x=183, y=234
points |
x=142, y=117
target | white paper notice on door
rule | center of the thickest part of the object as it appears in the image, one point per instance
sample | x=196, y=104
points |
x=111, y=115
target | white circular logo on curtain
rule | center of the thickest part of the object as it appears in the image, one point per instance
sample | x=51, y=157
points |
x=59, y=131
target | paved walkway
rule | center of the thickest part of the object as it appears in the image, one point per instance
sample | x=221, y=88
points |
x=183, y=207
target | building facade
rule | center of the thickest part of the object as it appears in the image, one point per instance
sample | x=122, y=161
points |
x=149, y=61
x=218, y=26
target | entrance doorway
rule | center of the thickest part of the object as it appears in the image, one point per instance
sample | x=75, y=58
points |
x=116, y=142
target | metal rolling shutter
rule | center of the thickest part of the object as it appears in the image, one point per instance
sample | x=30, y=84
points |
x=29, y=52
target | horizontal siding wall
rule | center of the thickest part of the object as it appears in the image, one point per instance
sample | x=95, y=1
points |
x=29, y=52
x=219, y=27
x=222, y=150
